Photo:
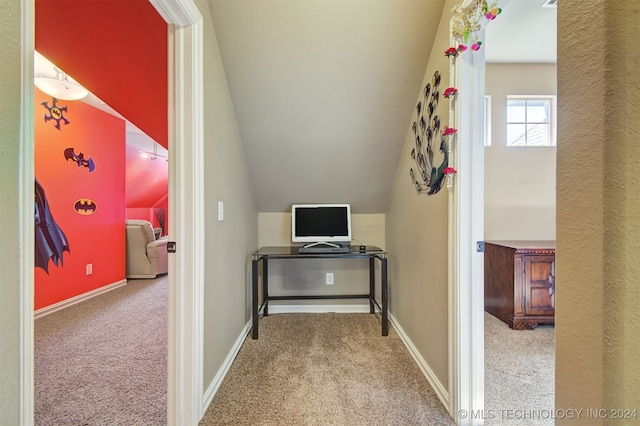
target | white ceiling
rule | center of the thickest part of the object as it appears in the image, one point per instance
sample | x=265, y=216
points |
x=524, y=32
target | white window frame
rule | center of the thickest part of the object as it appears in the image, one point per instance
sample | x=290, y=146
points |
x=553, y=141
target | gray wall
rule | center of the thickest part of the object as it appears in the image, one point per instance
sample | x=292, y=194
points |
x=228, y=244
x=597, y=230
x=417, y=238
x=10, y=217
x=519, y=182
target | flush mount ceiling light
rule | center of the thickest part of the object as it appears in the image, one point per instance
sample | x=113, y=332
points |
x=60, y=87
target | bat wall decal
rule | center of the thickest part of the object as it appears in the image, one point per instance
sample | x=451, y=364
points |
x=69, y=154
x=85, y=206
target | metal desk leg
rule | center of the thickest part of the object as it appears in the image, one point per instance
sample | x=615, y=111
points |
x=254, y=297
x=385, y=295
x=372, y=284
x=265, y=286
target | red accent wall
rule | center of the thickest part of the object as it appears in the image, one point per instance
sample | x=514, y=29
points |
x=116, y=49
x=98, y=239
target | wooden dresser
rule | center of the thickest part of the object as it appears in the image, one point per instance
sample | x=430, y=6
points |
x=519, y=282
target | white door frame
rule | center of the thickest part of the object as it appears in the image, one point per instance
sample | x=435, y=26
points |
x=466, y=229
x=186, y=221
x=26, y=205
x=466, y=295
x=186, y=207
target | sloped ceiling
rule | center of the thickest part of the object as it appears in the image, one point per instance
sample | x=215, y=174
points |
x=323, y=93
x=146, y=179
x=116, y=49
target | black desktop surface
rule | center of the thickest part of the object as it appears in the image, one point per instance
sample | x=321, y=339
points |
x=289, y=251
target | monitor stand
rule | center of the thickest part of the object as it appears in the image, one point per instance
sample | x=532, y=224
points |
x=321, y=243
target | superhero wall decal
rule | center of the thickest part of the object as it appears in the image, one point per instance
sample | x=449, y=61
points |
x=85, y=207
x=50, y=241
x=69, y=154
x=56, y=113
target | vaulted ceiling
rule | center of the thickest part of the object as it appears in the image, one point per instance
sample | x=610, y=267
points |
x=323, y=93
x=110, y=47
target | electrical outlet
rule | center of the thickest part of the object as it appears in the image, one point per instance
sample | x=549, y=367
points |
x=89, y=268
x=329, y=278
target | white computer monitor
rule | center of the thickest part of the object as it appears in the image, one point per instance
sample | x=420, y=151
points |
x=321, y=223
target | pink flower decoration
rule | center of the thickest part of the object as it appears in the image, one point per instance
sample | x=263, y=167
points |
x=476, y=45
x=449, y=171
x=462, y=48
x=449, y=131
x=451, y=52
x=449, y=92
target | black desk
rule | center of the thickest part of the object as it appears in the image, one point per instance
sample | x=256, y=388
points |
x=291, y=252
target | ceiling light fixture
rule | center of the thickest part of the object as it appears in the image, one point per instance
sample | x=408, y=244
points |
x=153, y=155
x=60, y=87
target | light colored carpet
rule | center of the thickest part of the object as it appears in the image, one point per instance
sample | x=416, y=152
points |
x=519, y=374
x=104, y=361
x=325, y=369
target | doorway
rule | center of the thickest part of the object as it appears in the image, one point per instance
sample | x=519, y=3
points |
x=186, y=266
x=519, y=194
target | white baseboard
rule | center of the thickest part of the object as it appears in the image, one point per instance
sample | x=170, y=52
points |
x=77, y=299
x=440, y=390
x=317, y=309
x=224, y=369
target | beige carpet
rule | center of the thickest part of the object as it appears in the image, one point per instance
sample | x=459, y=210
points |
x=325, y=369
x=519, y=374
x=104, y=361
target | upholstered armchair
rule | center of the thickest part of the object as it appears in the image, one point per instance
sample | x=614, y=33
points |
x=146, y=256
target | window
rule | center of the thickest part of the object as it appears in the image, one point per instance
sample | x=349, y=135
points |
x=487, y=120
x=531, y=120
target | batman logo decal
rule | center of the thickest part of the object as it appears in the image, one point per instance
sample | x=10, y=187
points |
x=85, y=206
